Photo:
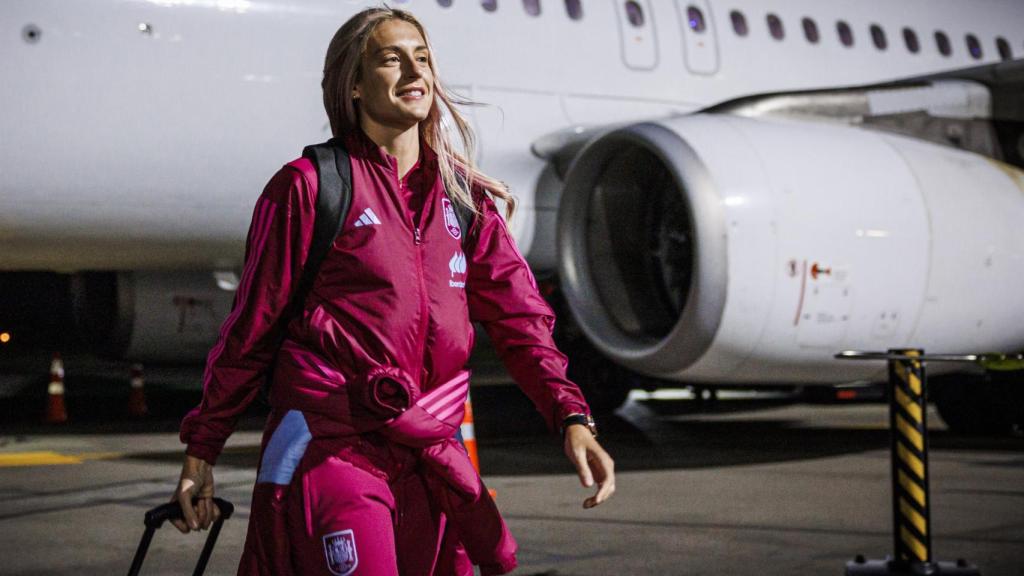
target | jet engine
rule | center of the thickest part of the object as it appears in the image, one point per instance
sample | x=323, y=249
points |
x=719, y=249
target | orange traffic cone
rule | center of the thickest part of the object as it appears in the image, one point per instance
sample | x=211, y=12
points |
x=56, y=412
x=468, y=433
x=137, y=396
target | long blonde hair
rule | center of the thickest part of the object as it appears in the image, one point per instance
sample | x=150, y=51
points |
x=342, y=70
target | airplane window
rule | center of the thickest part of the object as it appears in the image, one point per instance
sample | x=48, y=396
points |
x=532, y=7
x=775, y=27
x=695, y=18
x=878, y=37
x=845, y=33
x=489, y=5
x=942, y=43
x=739, y=23
x=445, y=3
x=574, y=8
x=634, y=13
x=811, y=31
x=1005, y=52
x=973, y=46
x=910, y=38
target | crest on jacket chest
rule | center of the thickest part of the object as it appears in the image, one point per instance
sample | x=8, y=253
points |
x=451, y=221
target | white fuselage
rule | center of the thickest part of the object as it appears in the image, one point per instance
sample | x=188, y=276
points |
x=137, y=134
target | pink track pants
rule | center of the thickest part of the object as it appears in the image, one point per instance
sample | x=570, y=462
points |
x=358, y=508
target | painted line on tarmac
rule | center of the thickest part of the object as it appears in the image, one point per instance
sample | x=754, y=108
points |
x=155, y=491
x=36, y=459
x=47, y=458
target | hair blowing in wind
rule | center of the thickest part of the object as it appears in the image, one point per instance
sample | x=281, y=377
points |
x=342, y=70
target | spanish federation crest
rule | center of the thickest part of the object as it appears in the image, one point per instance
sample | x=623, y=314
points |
x=340, y=549
x=451, y=222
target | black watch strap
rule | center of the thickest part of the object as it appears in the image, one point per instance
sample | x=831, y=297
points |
x=582, y=419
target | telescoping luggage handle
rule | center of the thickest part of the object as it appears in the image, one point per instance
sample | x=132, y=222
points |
x=156, y=517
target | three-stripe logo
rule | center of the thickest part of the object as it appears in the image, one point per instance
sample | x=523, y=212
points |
x=367, y=218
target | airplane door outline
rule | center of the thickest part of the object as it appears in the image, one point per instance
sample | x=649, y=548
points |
x=639, y=43
x=700, y=49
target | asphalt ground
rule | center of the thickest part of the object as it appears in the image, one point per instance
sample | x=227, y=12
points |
x=745, y=485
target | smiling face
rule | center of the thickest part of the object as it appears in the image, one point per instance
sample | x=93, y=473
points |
x=395, y=89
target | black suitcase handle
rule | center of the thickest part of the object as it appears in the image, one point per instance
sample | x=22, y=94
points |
x=155, y=519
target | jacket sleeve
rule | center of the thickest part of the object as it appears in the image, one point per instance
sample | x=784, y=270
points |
x=503, y=296
x=236, y=367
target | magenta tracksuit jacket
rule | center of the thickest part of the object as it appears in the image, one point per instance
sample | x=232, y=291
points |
x=393, y=303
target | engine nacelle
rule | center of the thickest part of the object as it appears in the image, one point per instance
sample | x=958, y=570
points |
x=715, y=248
x=152, y=316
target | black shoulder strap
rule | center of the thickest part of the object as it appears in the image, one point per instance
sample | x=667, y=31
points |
x=465, y=216
x=334, y=197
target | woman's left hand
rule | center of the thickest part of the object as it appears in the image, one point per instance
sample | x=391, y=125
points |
x=592, y=463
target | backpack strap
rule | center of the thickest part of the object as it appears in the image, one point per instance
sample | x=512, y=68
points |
x=333, y=200
x=465, y=216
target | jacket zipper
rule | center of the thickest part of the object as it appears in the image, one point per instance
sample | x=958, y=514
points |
x=417, y=238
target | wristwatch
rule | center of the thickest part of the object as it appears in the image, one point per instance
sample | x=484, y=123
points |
x=584, y=419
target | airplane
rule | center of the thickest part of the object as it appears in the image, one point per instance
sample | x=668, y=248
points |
x=719, y=191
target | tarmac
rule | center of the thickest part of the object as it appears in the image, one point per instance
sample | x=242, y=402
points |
x=751, y=485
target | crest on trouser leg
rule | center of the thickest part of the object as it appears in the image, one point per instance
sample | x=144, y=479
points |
x=340, y=549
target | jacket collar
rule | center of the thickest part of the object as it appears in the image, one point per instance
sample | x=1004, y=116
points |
x=358, y=143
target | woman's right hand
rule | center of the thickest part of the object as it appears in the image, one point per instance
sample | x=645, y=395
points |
x=196, y=482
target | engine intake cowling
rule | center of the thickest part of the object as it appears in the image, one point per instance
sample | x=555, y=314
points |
x=718, y=249
x=642, y=251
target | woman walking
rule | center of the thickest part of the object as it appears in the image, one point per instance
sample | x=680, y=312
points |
x=360, y=472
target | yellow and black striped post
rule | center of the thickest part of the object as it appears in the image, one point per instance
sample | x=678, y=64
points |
x=912, y=531
x=908, y=425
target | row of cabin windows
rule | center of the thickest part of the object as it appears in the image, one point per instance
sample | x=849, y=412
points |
x=845, y=34
x=574, y=8
x=695, y=18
